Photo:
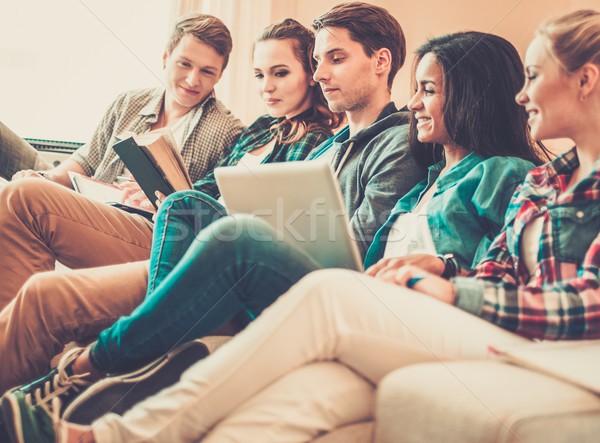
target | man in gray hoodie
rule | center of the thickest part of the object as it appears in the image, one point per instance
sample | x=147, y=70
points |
x=359, y=49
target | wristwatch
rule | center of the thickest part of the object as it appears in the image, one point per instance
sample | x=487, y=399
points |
x=451, y=267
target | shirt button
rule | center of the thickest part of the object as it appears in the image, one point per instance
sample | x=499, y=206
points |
x=579, y=214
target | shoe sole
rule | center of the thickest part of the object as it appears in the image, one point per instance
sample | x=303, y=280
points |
x=120, y=393
x=11, y=413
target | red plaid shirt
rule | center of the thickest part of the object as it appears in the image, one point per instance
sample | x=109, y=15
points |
x=561, y=300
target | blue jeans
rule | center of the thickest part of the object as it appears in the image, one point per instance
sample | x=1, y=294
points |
x=233, y=267
x=179, y=220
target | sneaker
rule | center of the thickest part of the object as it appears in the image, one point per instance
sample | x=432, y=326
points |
x=119, y=393
x=59, y=383
x=25, y=422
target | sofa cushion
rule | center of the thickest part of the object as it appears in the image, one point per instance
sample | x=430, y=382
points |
x=482, y=401
x=355, y=433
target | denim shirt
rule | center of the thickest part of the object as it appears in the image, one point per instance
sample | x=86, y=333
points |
x=466, y=211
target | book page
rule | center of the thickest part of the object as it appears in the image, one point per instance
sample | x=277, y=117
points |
x=162, y=146
x=576, y=362
x=95, y=189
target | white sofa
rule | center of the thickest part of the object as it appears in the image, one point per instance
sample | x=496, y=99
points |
x=476, y=402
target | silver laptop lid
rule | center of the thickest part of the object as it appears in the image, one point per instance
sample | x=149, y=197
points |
x=302, y=201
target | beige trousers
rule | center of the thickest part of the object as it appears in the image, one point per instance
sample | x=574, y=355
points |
x=41, y=222
x=298, y=407
x=57, y=307
x=339, y=316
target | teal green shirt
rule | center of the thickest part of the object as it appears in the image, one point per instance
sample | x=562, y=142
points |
x=466, y=211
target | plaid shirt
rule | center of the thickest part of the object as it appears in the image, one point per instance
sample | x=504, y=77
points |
x=561, y=300
x=209, y=130
x=257, y=135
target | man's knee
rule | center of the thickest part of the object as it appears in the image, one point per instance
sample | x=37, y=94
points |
x=36, y=291
x=23, y=195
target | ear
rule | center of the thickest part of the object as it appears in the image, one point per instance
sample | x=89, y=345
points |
x=588, y=76
x=383, y=60
x=165, y=56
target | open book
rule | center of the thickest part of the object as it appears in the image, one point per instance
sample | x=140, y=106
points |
x=104, y=192
x=576, y=362
x=95, y=189
x=155, y=162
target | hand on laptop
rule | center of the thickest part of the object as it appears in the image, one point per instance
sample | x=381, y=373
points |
x=387, y=266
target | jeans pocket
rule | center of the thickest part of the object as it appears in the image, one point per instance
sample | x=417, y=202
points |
x=574, y=228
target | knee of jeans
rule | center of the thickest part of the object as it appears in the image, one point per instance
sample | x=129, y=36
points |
x=192, y=203
x=179, y=196
x=22, y=195
x=243, y=229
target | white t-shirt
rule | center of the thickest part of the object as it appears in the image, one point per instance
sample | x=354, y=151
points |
x=410, y=233
x=178, y=130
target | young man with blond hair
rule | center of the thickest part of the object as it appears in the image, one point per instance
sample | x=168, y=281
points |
x=42, y=221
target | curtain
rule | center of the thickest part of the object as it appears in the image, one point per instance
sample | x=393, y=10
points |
x=245, y=19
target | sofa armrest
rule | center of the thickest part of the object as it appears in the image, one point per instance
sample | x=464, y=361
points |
x=482, y=401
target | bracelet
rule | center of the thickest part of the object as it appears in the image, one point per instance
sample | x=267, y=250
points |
x=451, y=267
x=414, y=280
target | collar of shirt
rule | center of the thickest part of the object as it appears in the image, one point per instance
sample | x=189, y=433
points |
x=153, y=107
x=454, y=174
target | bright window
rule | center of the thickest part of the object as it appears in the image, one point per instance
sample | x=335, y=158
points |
x=63, y=62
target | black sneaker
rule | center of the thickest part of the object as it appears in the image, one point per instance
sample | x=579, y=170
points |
x=119, y=393
x=58, y=383
x=55, y=390
x=27, y=423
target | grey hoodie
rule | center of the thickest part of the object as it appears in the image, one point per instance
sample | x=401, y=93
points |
x=377, y=171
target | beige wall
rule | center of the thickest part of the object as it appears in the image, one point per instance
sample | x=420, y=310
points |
x=515, y=20
x=512, y=19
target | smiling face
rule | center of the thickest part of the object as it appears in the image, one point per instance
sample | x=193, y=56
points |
x=192, y=70
x=282, y=82
x=346, y=74
x=428, y=102
x=550, y=95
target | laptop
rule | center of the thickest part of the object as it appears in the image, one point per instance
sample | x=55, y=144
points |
x=302, y=201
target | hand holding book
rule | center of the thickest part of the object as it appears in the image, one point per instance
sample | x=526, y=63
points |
x=155, y=162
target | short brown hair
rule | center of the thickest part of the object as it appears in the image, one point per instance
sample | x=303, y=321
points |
x=371, y=26
x=574, y=38
x=206, y=29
